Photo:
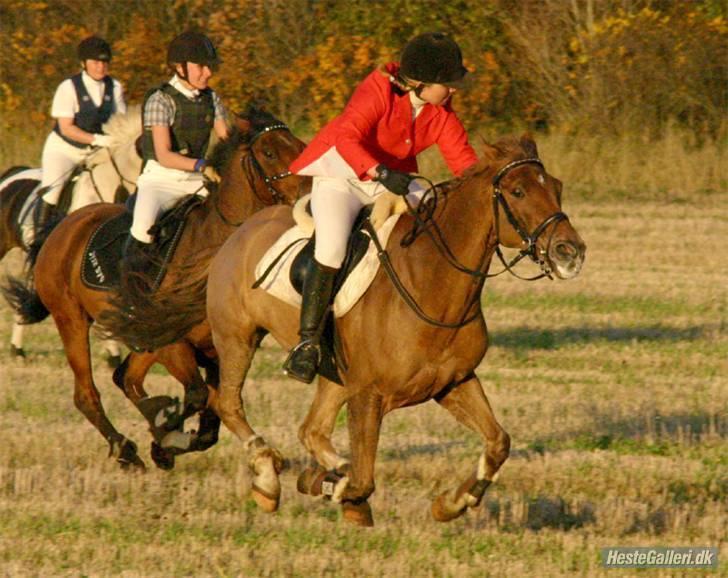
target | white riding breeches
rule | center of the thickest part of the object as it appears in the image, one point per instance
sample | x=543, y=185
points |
x=335, y=203
x=59, y=159
x=158, y=189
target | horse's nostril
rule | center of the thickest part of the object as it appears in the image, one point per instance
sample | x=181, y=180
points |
x=565, y=250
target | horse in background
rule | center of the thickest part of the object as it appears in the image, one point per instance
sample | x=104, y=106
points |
x=108, y=175
x=418, y=333
x=253, y=166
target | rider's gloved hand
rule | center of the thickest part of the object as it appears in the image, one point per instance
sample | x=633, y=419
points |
x=103, y=140
x=396, y=181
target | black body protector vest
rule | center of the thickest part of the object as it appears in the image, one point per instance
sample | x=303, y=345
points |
x=89, y=117
x=193, y=123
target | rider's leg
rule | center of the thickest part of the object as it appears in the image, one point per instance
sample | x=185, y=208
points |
x=334, y=210
x=59, y=159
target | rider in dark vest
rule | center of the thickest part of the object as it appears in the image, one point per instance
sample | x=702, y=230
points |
x=81, y=105
x=178, y=117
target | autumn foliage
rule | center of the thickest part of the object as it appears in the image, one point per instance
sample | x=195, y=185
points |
x=610, y=65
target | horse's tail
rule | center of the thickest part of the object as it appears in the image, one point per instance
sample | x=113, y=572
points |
x=148, y=319
x=24, y=300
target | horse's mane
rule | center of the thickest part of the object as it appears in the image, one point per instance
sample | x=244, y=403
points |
x=509, y=146
x=125, y=127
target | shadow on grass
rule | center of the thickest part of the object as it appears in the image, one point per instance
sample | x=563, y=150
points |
x=520, y=338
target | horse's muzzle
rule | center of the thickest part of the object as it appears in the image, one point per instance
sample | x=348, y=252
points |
x=566, y=257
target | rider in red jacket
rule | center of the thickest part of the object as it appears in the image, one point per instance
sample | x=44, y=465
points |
x=397, y=112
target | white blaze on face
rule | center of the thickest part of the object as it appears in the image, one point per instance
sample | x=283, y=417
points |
x=541, y=179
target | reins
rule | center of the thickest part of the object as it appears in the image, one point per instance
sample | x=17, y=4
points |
x=428, y=225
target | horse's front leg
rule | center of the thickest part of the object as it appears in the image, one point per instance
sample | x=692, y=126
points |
x=365, y=420
x=469, y=405
x=236, y=343
x=113, y=353
x=329, y=475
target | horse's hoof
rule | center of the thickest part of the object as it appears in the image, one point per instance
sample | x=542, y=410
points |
x=163, y=459
x=113, y=361
x=358, y=514
x=444, y=510
x=17, y=351
x=266, y=501
x=306, y=480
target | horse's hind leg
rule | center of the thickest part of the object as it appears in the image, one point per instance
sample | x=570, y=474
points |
x=236, y=342
x=16, y=339
x=329, y=475
x=73, y=326
x=469, y=405
x=113, y=353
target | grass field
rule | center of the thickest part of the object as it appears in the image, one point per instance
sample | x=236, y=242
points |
x=613, y=386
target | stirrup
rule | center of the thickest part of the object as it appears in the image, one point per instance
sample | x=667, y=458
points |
x=299, y=365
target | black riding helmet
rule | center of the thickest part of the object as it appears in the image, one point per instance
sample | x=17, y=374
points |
x=94, y=48
x=192, y=47
x=432, y=58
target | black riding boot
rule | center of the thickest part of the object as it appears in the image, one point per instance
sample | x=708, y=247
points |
x=137, y=265
x=44, y=213
x=303, y=361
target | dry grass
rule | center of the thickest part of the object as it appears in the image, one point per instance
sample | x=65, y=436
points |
x=613, y=387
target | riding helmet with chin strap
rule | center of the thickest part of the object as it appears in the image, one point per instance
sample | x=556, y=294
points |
x=432, y=58
x=94, y=48
x=192, y=47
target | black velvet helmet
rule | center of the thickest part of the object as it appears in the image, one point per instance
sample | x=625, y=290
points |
x=192, y=47
x=94, y=48
x=432, y=58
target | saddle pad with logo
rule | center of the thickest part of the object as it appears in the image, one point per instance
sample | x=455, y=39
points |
x=104, y=251
x=278, y=283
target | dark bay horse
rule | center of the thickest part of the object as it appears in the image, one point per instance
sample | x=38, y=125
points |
x=108, y=175
x=395, y=357
x=253, y=174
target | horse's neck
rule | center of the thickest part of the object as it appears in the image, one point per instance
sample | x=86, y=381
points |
x=465, y=219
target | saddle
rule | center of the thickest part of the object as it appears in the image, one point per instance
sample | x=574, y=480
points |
x=100, y=268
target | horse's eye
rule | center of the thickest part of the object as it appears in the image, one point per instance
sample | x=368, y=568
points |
x=268, y=154
x=517, y=192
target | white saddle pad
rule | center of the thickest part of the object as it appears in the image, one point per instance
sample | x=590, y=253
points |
x=278, y=282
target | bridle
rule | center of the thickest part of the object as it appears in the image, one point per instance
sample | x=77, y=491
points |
x=529, y=240
x=269, y=181
x=429, y=226
x=276, y=196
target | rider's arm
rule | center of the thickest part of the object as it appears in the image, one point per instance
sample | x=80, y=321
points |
x=454, y=146
x=70, y=130
x=221, y=128
x=163, y=150
x=119, y=102
x=364, y=110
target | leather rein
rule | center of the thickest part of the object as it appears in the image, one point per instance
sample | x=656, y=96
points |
x=430, y=227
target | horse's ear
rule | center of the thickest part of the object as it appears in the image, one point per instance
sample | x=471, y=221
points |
x=490, y=152
x=242, y=124
x=529, y=145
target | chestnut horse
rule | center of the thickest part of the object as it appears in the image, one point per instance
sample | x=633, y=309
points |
x=253, y=168
x=401, y=346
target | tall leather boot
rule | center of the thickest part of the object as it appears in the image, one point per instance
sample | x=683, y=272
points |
x=303, y=361
x=44, y=213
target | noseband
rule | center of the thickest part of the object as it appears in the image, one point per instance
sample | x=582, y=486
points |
x=269, y=180
x=529, y=240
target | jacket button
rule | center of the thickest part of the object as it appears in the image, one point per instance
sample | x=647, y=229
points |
x=408, y=141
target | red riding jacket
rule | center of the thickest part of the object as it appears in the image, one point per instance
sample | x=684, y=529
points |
x=377, y=127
